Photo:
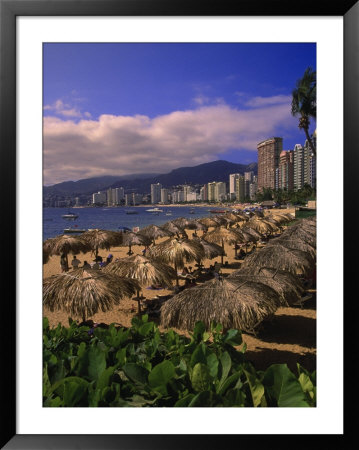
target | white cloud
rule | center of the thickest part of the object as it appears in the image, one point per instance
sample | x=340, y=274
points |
x=266, y=101
x=65, y=109
x=120, y=145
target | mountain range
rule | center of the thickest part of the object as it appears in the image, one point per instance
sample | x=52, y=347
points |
x=141, y=183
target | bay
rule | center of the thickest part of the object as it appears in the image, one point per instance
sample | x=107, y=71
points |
x=115, y=217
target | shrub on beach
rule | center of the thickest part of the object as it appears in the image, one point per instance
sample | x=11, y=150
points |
x=89, y=365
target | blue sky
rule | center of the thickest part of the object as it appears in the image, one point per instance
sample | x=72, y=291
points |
x=131, y=108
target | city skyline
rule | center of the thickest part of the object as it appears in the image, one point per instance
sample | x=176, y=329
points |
x=115, y=109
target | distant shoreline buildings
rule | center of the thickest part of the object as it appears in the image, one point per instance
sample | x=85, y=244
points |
x=278, y=169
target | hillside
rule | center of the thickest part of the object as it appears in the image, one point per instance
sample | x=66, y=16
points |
x=201, y=174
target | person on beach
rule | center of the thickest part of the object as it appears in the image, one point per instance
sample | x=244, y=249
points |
x=86, y=265
x=109, y=258
x=75, y=262
x=63, y=263
x=144, y=251
x=242, y=253
x=95, y=265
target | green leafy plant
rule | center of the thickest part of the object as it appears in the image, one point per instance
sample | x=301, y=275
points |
x=142, y=367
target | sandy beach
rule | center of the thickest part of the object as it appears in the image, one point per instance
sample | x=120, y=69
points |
x=290, y=337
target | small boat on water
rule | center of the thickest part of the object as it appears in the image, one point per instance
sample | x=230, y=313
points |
x=73, y=230
x=154, y=210
x=168, y=213
x=191, y=211
x=69, y=215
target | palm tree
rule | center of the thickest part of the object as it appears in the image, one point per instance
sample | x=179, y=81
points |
x=304, y=102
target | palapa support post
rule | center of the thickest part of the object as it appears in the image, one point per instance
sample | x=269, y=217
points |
x=139, y=302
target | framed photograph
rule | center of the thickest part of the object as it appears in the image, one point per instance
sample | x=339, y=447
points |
x=171, y=63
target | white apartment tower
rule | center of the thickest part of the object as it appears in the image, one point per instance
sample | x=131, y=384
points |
x=164, y=195
x=232, y=183
x=156, y=193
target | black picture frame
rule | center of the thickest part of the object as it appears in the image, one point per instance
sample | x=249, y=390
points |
x=9, y=10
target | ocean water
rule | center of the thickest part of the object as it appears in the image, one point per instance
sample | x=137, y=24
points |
x=114, y=218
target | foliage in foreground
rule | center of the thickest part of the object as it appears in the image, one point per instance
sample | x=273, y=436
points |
x=139, y=366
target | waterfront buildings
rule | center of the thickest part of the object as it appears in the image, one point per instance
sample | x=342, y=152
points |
x=99, y=198
x=164, y=196
x=304, y=166
x=240, y=189
x=286, y=170
x=290, y=170
x=232, y=185
x=156, y=193
x=268, y=159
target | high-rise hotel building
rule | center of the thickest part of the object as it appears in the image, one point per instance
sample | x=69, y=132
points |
x=286, y=170
x=268, y=161
x=156, y=193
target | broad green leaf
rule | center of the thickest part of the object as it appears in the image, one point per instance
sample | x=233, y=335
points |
x=185, y=401
x=198, y=331
x=105, y=377
x=202, y=399
x=136, y=373
x=161, y=374
x=305, y=382
x=199, y=355
x=45, y=324
x=145, y=329
x=234, y=397
x=230, y=381
x=226, y=364
x=55, y=402
x=233, y=337
x=46, y=385
x=282, y=388
x=256, y=388
x=71, y=389
x=200, y=379
x=121, y=357
x=206, y=336
x=97, y=361
x=212, y=363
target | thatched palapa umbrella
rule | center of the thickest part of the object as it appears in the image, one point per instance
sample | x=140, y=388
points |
x=235, y=305
x=65, y=244
x=211, y=250
x=104, y=239
x=302, y=233
x=153, y=232
x=144, y=270
x=261, y=226
x=295, y=243
x=83, y=292
x=278, y=218
x=288, y=286
x=279, y=257
x=182, y=222
x=208, y=222
x=233, y=217
x=177, y=251
x=222, y=235
x=252, y=232
x=175, y=229
x=130, y=238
